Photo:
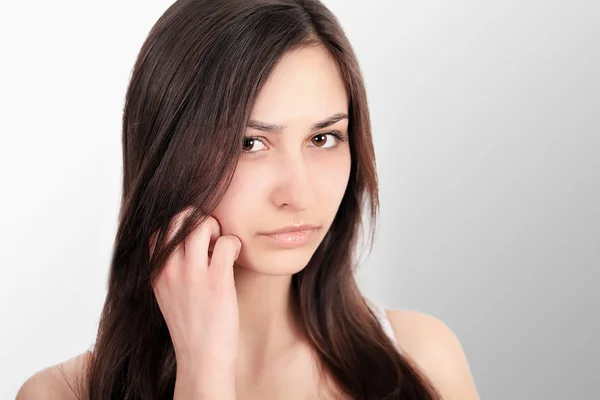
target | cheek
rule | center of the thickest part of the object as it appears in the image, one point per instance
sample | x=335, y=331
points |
x=237, y=208
x=332, y=177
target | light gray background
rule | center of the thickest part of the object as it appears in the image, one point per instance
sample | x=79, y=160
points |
x=487, y=133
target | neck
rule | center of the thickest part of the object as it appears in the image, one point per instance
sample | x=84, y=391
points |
x=267, y=322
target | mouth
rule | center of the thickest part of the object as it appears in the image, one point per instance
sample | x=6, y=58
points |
x=291, y=236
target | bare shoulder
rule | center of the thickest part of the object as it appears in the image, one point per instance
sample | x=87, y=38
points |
x=60, y=381
x=432, y=345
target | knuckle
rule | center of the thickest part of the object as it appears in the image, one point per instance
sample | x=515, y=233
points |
x=210, y=225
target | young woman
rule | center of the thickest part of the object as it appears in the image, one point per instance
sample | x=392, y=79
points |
x=248, y=163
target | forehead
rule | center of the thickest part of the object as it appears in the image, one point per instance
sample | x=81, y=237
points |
x=305, y=86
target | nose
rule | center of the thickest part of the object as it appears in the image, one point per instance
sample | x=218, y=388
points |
x=294, y=186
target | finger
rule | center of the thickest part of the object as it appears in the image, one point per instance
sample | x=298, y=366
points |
x=199, y=242
x=170, y=269
x=178, y=255
x=227, y=250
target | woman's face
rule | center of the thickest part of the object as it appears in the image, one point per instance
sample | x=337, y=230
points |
x=297, y=175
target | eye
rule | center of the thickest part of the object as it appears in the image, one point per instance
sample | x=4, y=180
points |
x=327, y=140
x=250, y=143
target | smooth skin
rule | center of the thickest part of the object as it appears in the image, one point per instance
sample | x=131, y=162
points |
x=289, y=175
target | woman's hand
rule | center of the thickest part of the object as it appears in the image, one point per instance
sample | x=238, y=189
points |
x=196, y=295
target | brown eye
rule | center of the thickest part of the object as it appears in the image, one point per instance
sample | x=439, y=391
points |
x=320, y=139
x=327, y=140
x=249, y=143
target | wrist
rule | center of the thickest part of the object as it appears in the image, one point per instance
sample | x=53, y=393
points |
x=205, y=384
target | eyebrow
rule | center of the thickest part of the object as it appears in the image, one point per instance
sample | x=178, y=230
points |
x=274, y=128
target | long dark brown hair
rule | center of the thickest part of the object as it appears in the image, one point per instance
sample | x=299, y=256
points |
x=189, y=99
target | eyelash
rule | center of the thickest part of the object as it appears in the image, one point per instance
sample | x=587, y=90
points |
x=336, y=134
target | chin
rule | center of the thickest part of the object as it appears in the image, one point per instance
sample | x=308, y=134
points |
x=276, y=262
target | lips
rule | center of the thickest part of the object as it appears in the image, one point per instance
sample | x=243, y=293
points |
x=291, y=229
x=290, y=236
